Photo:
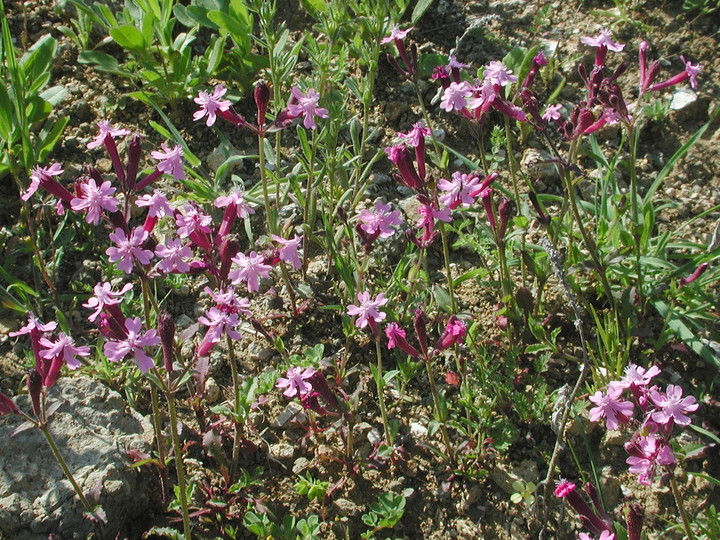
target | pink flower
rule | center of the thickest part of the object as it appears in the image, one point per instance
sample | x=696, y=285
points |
x=157, y=204
x=34, y=324
x=64, y=347
x=210, y=104
x=95, y=199
x=128, y=248
x=396, y=34
x=692, y=71
x=105, y=296
x=237, y=198
x=564, y=488
x=250, y=268
x=40, y=176
x=552, y=112
x=459, y=190
x=455, y=96
x=191, y=220
x=105, y=129
x=380, y=220
x=428, y=215
x=289, y=249
x=171, y=161
x=220, y=322
x=134, y=344
x=673, y=406
x=454, y=332
x=416, y=135
x=611, y=407
x=368, y=311
x=605, y=535
x=173, y=255
x=307, y=106
x=229, y=301
x=646, y=454
x=635, y=378
x=294, y=382
x=396, y=338
x=603, y=40
x=497, y=73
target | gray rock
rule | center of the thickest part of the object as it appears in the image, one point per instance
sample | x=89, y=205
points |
x=93, y=433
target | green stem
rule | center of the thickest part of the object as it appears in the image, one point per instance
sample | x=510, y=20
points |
x=177, y=450
x=269, y=213
x=236, y=406
x=634, y=135
x=66, y=470
x=438, y=410
x=380, y=383
x=681, y=508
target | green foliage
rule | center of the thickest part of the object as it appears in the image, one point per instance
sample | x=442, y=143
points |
x=384, y=514
x=315, y=490
x=27, y=132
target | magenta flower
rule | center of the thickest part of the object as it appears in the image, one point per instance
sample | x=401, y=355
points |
x=220, y=322
x=455, y=96
x=428, y=215
x=603, y=40
x=368, y=311
x=459, y=190
x=396, y=34
x=564, y=488
x=157, y=204
x=497, y=73
x=128, y=248
x=210, y=104
x=611, y=407
x=65, y=348
x=105, y=128
x=380, y=220
x=605, y=535
x=34, y=325
x=454, y=332
x=416, y=136
x=673, y=407
x=105, y=296
x=41, y=176
x=95, y=199
x=171, y=161
x=307, y=106
x=645, y=454
x=396, y=338
x=192, y=219
x=173, y=254
x=134, y=344
x=229, y=301
x=552, y=112
x=690, y=73
x=289, y=249
x=237, y=198
x=250, y=268
x=636, y=378
x=294, y=382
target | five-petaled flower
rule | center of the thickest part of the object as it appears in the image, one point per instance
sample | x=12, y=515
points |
x=455, y=97
x=396, y=34
x=380, y=221
x=294, y=381
x=210, y=104
x=673, y=407
x=174, y=255
x=460, y=190
x=171, y=161
x=603, y=39
x=250, y=268
x=105, y=128
x=95, y=199
x=289, y=249
x=64, y=347
x=105, y=296
x=134, y=344
x=41, y=176
x=129, y=248
x=609, y=406
x=306, y=105
x=368, y=309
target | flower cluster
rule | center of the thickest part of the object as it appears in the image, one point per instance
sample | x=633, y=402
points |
x=308, y=384
x=661, y=411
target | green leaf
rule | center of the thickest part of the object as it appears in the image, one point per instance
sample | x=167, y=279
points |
x=6, y=116
x=130, y=38
x=238, y=30
x=314, y=7
x=681, y=330
x=420, y=8
x=49, y=137
x=103, y=61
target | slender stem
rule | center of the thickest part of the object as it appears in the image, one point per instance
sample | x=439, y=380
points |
x=177, y=450
x=634, y=135
x=66, y=470
x=681, y=508
x=446, y=261
x=380, y=383
x=236, y=406
x=269, y=213
x=438, y=410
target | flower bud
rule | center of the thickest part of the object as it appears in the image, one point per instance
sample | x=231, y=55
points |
x=262, y=98
x=166, y=331
x=34, y=386
x=7, y=405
